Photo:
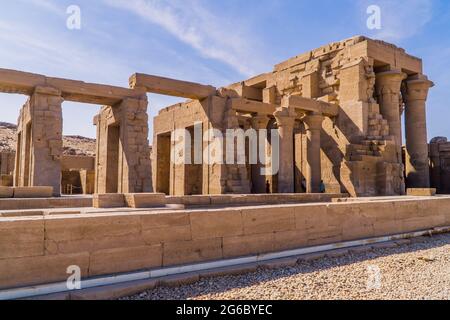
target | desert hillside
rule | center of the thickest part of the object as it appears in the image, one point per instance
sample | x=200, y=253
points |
x=73, y=145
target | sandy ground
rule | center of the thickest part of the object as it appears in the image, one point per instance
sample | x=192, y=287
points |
x=419, y=270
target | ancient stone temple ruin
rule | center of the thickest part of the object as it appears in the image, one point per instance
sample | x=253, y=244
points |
x=337, y=111
x=335, y=117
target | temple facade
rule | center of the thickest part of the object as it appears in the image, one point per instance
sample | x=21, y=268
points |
x=338, y=111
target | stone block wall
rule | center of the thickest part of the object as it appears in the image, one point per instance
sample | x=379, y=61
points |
x=123, y=158
x=7, y=162
x=37, y=250
x=204, y=179
x=78, y=174
x=440, y=164
x=39, y=141
x=7, y=169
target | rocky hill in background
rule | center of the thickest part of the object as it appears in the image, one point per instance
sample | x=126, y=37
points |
x=72, y=145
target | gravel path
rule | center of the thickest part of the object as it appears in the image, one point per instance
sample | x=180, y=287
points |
x=420, y=270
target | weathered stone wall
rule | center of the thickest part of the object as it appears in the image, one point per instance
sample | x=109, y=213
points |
x=37, y=250
x=7, y=162
x=123, y=158
x=209, y=113
x=39, y=142
x=7, y=168
x=78, y=175
x=440, y=165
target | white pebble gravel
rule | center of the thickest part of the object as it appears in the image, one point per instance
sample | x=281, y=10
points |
x=420, y=270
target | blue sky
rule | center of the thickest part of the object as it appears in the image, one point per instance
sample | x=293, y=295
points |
x=209, y=41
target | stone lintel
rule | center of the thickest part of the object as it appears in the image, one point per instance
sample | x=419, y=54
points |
x=171, y=87
x=388, y=54
x=311, y=105
x=79, y=91
x=250, y=106
x=18, y=82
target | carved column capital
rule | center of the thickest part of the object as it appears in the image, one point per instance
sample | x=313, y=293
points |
x=260, y=122
x=313, y=121
x=417, y=88
x=285, y=117
x=389, y=82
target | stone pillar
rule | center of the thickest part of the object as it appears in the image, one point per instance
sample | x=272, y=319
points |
x=285, y=120
x=313, y=124
x=417, y=161
x=260, y=122
x=123, y=157
x=39, y=141
x=435, y=162
x=388, y=86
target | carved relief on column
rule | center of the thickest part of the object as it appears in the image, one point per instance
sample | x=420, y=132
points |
x=417, y=162
x=387, y=88
x=313, y=124
x=285, y=118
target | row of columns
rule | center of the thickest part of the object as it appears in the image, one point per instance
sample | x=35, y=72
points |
x=285, y=118
x=414, y=96
x=390, y=96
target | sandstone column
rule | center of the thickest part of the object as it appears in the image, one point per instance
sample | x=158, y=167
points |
x=388, y=86
x=313, y=124
x=285, y=120
x=417, y=161
x=259, y=122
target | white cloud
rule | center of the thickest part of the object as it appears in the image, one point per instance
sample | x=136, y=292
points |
x=402, y=19
x=212, y=36
x=45, y=4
